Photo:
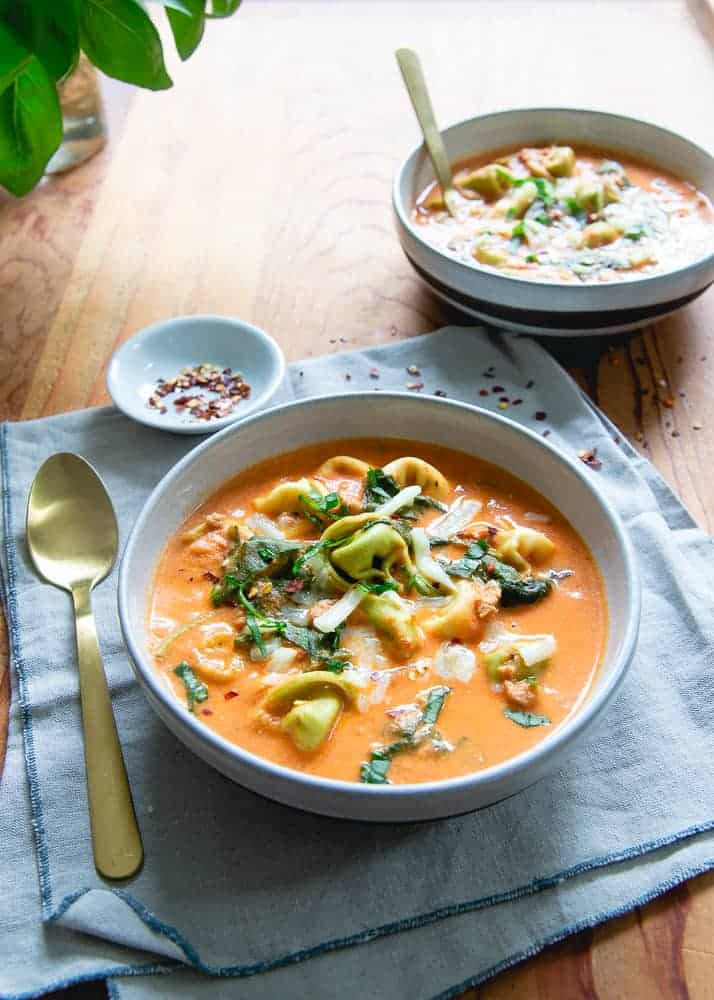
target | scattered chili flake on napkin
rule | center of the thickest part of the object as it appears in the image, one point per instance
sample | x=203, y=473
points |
x=228, y=386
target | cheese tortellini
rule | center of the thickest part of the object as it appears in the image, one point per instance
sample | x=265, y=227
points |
x=410, y=471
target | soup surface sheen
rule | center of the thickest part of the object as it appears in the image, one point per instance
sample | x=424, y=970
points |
x=560, y=214
x=349, y=612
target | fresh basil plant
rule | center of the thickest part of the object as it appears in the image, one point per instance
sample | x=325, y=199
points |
x=40, y=43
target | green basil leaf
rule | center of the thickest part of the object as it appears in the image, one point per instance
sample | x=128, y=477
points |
x=434, y=704
x=49, y=29
x=223, y=8
x=196, y=691
x=187, y=28
x=374, y=771
x=119, y=37
x=30, y=127
x=526, y=719
x=14, y=58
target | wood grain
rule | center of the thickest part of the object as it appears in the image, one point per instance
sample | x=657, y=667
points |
x=260, y=187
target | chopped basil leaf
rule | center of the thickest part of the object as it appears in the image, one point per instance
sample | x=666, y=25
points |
x=377, y=588
x=331, y=505
x=378, y=488
x=544, y=187
x=256, y=635
x=519, y=231
x=636, y=233
x=196, y=691
x=515, y=588
x=434, y=704
x=526, y=719
x=545, y=220
x=374, y=771
x=532, y=258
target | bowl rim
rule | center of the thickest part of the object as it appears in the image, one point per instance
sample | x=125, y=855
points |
x=507, y=280
x=560, y=737
x=272, y=348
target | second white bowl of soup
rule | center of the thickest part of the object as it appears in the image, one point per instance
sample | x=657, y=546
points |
x=567, y=221
x=379, y=628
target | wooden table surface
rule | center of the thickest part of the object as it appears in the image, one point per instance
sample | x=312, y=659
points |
x=259, y=187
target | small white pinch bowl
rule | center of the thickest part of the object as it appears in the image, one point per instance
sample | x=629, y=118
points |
x=565, y=482
x=164, y=349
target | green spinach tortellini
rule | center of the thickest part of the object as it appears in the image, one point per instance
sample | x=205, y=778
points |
x=410, y=471
x=393, y=619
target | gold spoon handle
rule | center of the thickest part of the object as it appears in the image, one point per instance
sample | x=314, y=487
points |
x=116, y=840
x=413, y=75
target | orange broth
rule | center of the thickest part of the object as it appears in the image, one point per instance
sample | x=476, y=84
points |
x=472, y=719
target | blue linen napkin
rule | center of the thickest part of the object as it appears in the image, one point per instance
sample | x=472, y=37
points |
x=273, y=900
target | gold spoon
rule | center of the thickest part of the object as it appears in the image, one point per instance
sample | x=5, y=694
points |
x=73, y=538
x=413, y=75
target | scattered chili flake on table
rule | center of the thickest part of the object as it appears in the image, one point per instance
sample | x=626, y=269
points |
x=483, y=392
x=589, y=457
x=415, y=386
x=439, y=392
x=374, y=373
x=496, y=389
x=230, y=694
x=540, y=415
x=229, y=387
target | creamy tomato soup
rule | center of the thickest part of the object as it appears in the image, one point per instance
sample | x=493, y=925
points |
x=378, y=611
x=560, y=214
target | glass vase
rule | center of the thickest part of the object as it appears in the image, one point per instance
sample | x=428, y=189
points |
x=82, y=116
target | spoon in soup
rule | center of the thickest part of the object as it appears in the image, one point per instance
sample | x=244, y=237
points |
x=73, y=539
x=413, y=75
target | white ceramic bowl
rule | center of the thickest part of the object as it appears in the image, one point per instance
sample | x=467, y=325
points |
x=545, y=307
x=163, y=349
x=444, y=422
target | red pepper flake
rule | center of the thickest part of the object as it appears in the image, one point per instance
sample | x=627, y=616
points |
x=516, y=402
x=483, y=392
x=589, y=457
x=413, y=370
x=230, y=694
x=540, y=415
x=374, y=373
x=675, y=434
x=490, y=567
x=348, y=377
x=546, y=434
x=228, y=386
x=667, y=401
x=293, y=586
x=211, y=577
x=415, y=386
x=496, y=389
x=206, y=711
x=439, y=392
